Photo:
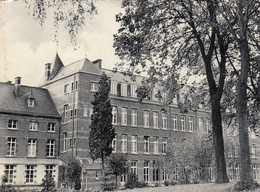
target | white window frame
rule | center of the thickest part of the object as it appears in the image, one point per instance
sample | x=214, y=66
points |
x=146, y=118
x=155, y=119
x=50, y=150
x=93, y=86
x=164, y=145
x=133, y=143
x=133, y=91
x=156, y=145
x=66, y=89
x=113, y=89
x=124, y=143
x=30, y=175
x=191, y=123
x=65, y=142
x=183, y=122
x=146, y=171
x=124, y=89
x=133, y=167
x=9, y=173
x=32, y=147
x=87, y=111
x=114, y=115
x=11, y=147
x=50, y=169
x=30, y=102
x=51, y=127
x=253, y=151
x=134, y=117
x=124, y=116
x=146, y=144
x=175, y=121
x=113, y=145
x=12, y=124
x=164, y=121
x=208, y=127
x=66, y=112
x=33, y=126
x=201, y=127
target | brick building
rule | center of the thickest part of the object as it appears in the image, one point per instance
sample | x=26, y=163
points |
x=29, y=134
x=143, y=129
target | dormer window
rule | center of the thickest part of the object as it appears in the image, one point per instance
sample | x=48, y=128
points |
x=30, y=102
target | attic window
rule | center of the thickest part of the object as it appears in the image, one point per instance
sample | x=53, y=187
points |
x=30, y=102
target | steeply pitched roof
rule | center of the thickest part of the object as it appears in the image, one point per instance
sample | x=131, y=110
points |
x=10, y=103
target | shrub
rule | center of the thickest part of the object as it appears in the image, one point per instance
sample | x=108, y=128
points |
x=245, y=186
x=48, y=184
x=109, y=186
x=132, y=182
x=166, y=183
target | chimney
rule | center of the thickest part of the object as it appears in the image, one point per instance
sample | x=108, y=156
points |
x=47, y=71
x=98, y=62
x=17, y=86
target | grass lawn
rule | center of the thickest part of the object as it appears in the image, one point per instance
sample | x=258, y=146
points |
x=207, y=187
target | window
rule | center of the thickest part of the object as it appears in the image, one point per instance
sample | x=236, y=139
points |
x=113, y=89
x=51, y=127
x=66, y=88
x=114, y=115
x=123, y=143
x=164, y=145
x=133, y=167
x=183, y=123
x=253, y=151
x=123, y=178
x=49, y=169
x=94, y=86
x=51, y=148
x=72, y=86
x=146, y=171
x=66, y=113
x=87, y=111
x=74, y=141
x=155, y=95
x=123, y=116
x=174, y=121
x=208, y=127
x=76, y=85
x=32, y=148
x=155, y=119
x=165, y=176
x=124, y=89
x=146, y=118
x=134, y=144
x=156, y=145
x=134, y=117
x=114, y=144
x=164, y=120
x=65, y=142
x=201, y=128
x=191, y=124
x=146, y=144
x=9, y=173
x=11, y=146
x=30, y=102
x=155, y=171
x=29, y=173
x=133, y=91
x=33, y=126
x=73, y=113
x=12, y=124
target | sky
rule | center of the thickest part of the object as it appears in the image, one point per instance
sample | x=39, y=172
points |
x=25, y=46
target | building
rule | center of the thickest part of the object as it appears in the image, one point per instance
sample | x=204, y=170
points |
x=143, y=128
x=29, y=135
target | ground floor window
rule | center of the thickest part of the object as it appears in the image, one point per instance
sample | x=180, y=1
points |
x=50, y=170
x=155, y=171
x=146, y=171
x=9, y=173
x=134, y=167
x=123, y=178
x=165, y=176
x=30, y=173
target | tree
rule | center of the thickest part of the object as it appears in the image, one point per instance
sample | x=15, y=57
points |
x=101, y=130
x=73, y=173
x=117, y=165
x=48, y=183
x=191, y=157
x=172, y=36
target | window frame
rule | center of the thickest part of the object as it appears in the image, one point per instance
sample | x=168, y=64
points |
x=32, y=147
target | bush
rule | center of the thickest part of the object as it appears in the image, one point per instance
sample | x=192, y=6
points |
x=132, y=182
x=246, y=186
x=109, y=186
x=166, y=183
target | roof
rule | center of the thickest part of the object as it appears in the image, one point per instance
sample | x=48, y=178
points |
x=10, y=103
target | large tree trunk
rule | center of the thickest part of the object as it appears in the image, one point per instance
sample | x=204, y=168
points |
x=245, y=162
x=218, y=142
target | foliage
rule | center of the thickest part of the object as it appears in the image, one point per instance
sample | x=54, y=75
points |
x=246, y=186
x=117, y=165
x=48, y=183
x=190, y=157
x=73, y=173
x=132, y=182
x=101, y=130
x=72, y=14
